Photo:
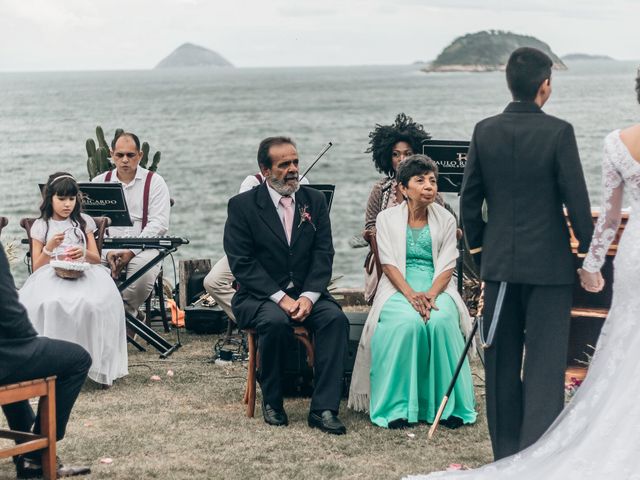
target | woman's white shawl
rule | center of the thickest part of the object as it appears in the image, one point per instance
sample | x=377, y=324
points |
x=391, y=227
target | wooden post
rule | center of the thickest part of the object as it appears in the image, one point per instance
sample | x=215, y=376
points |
x=186, y=268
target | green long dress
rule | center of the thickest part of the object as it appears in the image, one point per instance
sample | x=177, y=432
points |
x=412, y=363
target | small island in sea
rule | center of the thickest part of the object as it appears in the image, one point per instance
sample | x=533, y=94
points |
x=573, y=57
x=190, y=55
x=486, y=51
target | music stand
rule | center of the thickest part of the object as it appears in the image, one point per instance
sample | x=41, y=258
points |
x=451, y=158
x=147, y=333
x=106, y=200
x=328, y=190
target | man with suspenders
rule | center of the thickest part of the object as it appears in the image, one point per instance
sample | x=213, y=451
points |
x=148, y=201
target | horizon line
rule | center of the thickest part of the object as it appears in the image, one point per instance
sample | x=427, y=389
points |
x=217, y=68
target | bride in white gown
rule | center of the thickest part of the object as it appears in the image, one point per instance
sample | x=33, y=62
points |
x=597, y=436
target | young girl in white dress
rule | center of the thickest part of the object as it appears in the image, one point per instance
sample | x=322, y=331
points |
x=87, y=310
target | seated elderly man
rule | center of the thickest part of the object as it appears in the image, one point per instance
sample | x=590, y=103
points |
x=219, y=281
x=149, y=205
x=278, y=242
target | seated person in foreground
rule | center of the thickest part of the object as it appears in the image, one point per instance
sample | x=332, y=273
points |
x=26, y=356
x=87, y=310
x=149, y=206
x=278, y=241
x=413, y=336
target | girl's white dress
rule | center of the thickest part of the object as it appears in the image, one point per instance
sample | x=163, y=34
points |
x=87, y=311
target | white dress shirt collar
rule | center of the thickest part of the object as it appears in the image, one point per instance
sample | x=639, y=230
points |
x=275, y=196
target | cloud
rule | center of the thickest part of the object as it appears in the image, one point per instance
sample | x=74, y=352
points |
x=585, y=9
x=302, y=11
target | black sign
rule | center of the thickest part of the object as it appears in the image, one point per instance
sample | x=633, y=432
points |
x=106, y=200
x=451, y=158
x=328, y=191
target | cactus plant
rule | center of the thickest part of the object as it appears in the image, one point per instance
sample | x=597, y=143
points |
x=98, y=156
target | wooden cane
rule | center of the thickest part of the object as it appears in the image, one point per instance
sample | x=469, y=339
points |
x=445, y=399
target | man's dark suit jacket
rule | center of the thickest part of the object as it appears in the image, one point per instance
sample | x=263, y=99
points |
x=526, y=165
x=16, y=332
x=261, y=259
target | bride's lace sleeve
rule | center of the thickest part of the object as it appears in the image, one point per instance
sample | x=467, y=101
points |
x=610, y=213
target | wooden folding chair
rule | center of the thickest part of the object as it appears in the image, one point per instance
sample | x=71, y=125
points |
x=45, y=388
x=301, y=334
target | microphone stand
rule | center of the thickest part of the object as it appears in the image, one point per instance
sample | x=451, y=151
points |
x=318, y=157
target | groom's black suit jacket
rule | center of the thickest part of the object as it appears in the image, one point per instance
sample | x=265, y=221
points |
x=261, y=259
x=525, y=164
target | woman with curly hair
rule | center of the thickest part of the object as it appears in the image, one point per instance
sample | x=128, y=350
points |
x=389, y=145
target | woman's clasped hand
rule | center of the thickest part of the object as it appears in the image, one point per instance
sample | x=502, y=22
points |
x=422, y=302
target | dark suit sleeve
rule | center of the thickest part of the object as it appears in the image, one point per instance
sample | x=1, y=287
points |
x=14, y=321
x=320, y=267
x=472, y=197
x=240, y=250
x=573, y=188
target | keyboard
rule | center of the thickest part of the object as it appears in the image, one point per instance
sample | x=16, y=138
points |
x=144, y=242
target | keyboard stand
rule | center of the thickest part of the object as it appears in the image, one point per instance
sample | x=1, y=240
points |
x=143, y=330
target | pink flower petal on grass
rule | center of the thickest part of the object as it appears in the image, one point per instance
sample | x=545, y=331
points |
x=155, y=378
x=454, y=466
x=170, y=373
x=106, y=461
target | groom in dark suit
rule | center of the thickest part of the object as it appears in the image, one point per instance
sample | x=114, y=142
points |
x=26, y=356
x=278, y=241
x=525, y=165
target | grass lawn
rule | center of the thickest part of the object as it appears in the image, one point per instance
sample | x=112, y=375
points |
x=193, y=426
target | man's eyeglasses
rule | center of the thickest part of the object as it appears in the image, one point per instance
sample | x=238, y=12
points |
x=129, y=155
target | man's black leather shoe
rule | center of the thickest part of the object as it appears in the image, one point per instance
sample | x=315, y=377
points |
x=327, y=421
x=30, y=468
x=274, y=416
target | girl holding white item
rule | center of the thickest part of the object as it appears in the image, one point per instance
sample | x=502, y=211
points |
x=87, y=310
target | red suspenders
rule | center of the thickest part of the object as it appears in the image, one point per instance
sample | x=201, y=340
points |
x=145, y=197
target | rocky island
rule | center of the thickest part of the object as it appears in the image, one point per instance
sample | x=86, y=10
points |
x=575, y=57
x=486, y=51
x=190, y=55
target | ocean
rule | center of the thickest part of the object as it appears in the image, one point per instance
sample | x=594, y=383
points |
x=208, y=123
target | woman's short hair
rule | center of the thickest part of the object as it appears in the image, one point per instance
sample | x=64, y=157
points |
x=415, y=165
x=384, y=137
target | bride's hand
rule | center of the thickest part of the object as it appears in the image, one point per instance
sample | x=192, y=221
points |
x=591, y=282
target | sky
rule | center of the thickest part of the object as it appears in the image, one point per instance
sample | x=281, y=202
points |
x=42, y=35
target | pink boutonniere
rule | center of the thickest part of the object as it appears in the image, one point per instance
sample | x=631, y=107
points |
x=305, y=217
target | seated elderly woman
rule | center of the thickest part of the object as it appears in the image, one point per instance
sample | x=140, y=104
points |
x=413, y=336
x=389, y=145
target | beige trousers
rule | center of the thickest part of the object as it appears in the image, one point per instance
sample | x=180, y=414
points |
x=136, y=294
x=218, y=284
